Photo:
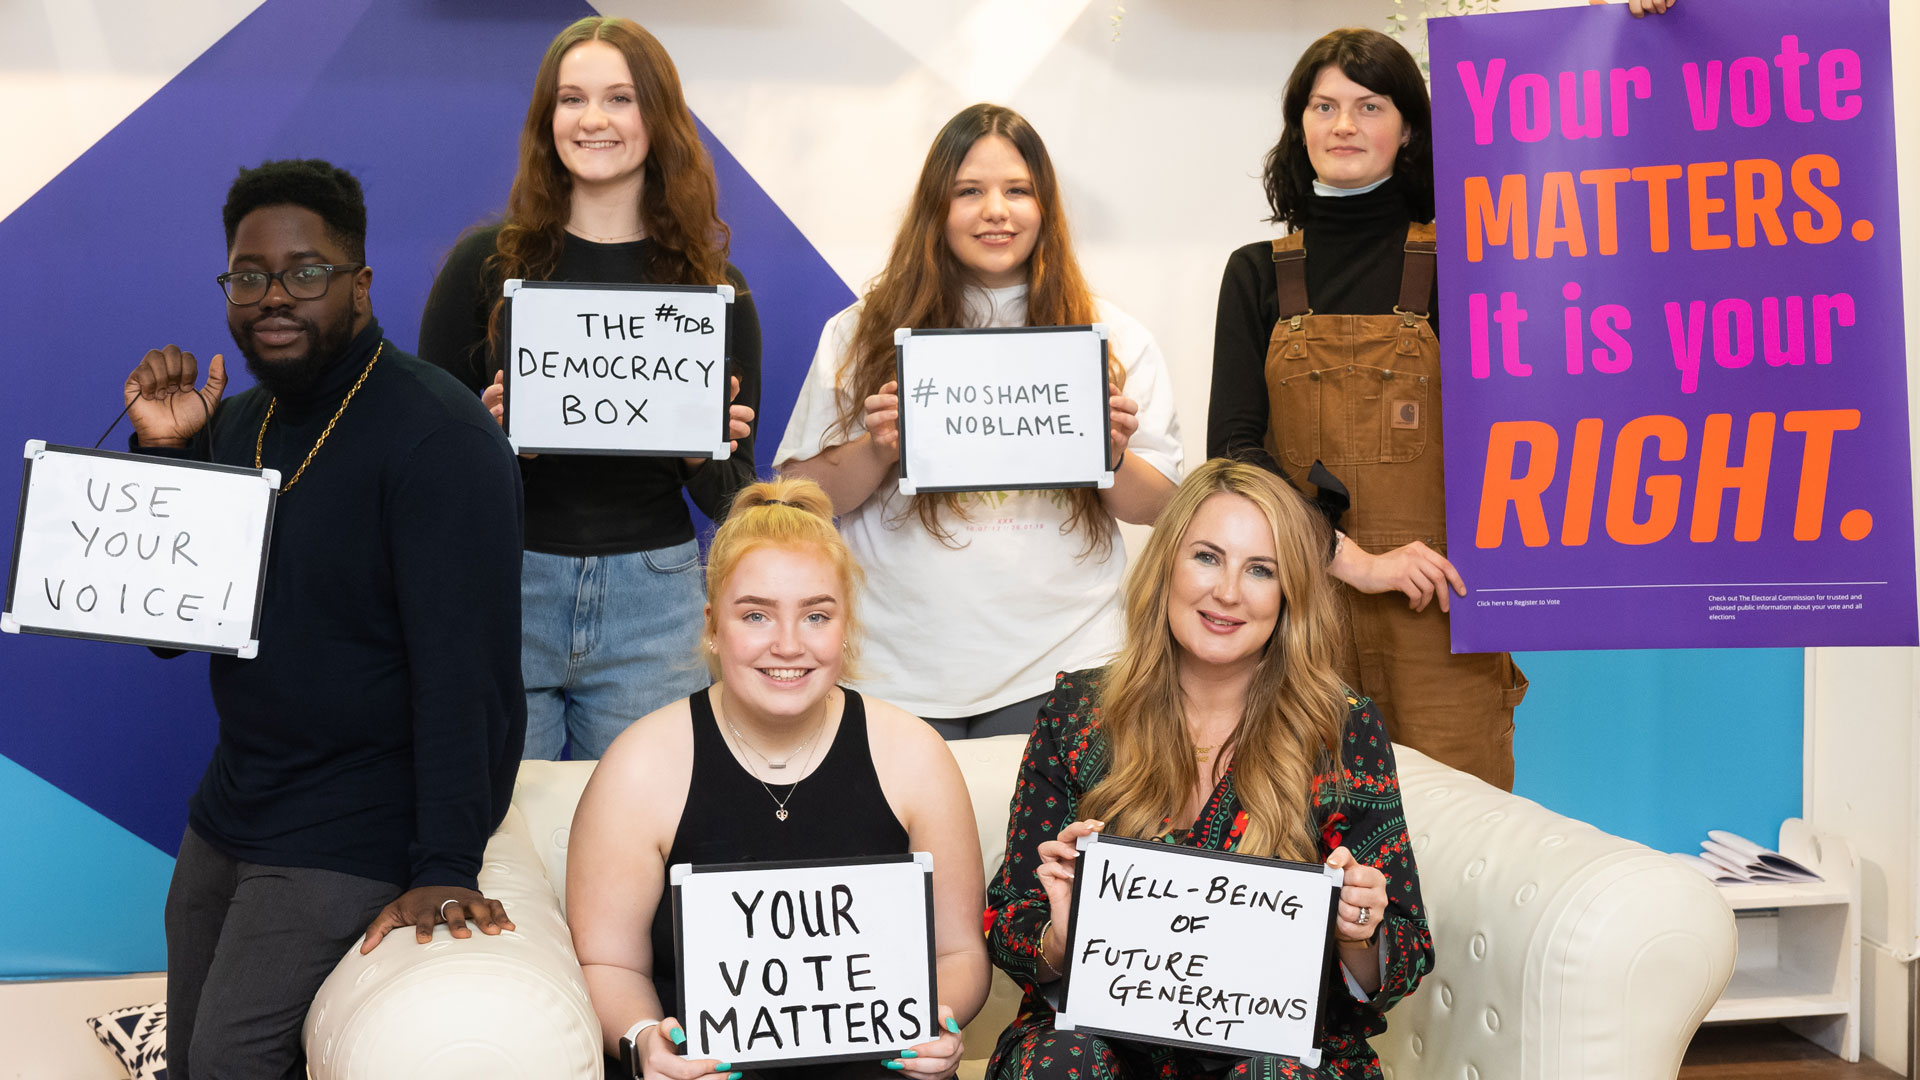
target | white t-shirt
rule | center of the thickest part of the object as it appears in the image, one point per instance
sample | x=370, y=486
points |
x=953, y=632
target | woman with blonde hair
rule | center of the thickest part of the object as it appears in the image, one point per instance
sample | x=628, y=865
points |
x=1221, y=725
x=613, y=187
x=989, y=594
x=774, y=761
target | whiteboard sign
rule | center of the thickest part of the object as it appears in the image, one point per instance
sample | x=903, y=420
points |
x=795, y=963
x=139, y=549
x=1003, y=409
x=617, y=369
x=1196, y=948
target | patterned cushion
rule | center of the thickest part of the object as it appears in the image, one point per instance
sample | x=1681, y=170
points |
x=137, y=1035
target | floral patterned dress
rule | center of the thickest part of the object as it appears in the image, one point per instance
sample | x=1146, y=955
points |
x=1065, y=758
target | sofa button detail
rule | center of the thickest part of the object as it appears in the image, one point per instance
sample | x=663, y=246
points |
x=370, y=974
x=1446, y=995
x=1493, y=1020
x=1471, y=1073
x=1527, y=893
x=1492, y=816
x=560, y=837
x=1479, y=947
x=1476, y=868
x=1419, y=1045
x=1555, y=840
x=1439, y=793
x=1420, y=844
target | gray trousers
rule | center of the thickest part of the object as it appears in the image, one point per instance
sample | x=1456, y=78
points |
x=247, y=948
x=1015, y=719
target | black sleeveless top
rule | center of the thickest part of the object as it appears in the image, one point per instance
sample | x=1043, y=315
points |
x=837, y=811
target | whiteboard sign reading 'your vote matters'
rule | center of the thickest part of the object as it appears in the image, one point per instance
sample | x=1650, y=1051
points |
x=794, y=963
x=617, y=369
x=1198, y=948
x=139, y=549
x=1003, y=408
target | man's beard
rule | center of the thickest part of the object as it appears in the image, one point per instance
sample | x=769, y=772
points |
x=297, y=376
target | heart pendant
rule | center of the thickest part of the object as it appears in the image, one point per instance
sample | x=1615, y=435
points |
x=781, y=813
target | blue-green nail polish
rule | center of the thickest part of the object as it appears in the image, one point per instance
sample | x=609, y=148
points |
x=734, y=1076
x=679, y=1037
x=953, y=1025
x=891, y=1064
x=724, y=1066
x=909, y=1053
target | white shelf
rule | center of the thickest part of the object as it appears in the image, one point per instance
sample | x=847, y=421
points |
x=1771, y=993
x=1803, y=894
x=1799, y=959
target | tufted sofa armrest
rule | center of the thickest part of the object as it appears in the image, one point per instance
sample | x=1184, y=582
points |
x=1560, y=952
x=508, y=1006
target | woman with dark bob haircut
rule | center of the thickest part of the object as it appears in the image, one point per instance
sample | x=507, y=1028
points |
x=1326, y=371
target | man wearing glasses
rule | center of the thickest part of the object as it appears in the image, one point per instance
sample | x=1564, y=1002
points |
x=369, y=750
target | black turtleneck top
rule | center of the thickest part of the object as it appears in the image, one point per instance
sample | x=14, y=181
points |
x=586, y=504
x=378, y=731
x=1355, y=246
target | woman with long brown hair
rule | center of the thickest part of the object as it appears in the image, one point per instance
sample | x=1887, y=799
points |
x=988, y=594
x=613, y=186
x=1221, y=725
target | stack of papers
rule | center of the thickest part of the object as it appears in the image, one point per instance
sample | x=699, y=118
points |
x=1730, y=859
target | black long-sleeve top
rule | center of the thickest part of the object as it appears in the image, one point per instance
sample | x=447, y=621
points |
x=378, y=731
x=1355, y=247
x=585, y=504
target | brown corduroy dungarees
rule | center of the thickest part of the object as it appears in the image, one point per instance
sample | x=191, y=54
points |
x=1361, y=394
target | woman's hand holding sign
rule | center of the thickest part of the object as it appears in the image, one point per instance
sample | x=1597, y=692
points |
x=1139, y=490
x=1415, y=569
x=1057, y=858
x=739, y=422
x=938, y=1058
x=162, y=402
x=883, y=421
x=1356, y=923
x=659, y=1057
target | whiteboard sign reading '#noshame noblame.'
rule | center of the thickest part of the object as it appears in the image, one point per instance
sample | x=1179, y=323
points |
x=138, y=549
x=1003, y=408
x=617, y=369
x=795, y=963
x=1197, y=948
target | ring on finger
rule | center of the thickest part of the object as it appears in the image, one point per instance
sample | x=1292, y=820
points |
x=1365, y=915
x=443, y=909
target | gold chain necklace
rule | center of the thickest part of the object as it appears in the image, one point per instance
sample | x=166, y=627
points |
x=260, y=439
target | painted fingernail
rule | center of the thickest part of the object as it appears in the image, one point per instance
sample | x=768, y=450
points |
x=734, y=1076
x=909, y=1053
x=723, y=1066
x=953, y=1025
x=679, y=1037
x=894, y=1064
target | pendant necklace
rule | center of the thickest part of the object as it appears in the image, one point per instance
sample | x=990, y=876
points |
x=780, y=804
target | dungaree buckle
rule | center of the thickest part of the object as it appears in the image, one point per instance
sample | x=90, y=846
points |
x=1295, y=321
x=1407, y=318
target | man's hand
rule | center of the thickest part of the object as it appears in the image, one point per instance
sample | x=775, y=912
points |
x=423, y=907
x=162, y=403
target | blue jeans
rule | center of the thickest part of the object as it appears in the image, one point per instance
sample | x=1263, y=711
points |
x=605, y=640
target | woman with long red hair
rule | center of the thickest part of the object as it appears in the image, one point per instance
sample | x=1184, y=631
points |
x=613, y=186
x=989, y=594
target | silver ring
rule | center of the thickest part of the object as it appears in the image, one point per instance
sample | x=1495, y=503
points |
x=444, y=903
x=1365, y=914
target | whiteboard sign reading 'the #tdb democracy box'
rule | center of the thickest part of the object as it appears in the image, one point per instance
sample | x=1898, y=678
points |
x=617, y=369
x=1196, y=948
x=140, y=549
x=1003, y=408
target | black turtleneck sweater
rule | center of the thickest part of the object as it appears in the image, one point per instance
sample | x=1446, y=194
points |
x=1355, y=246
x=379, y=729
x=586, y=504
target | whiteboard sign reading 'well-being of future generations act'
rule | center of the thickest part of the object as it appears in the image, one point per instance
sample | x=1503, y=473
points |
x=138, y=549
x=1003, y=408
x=617, y=369
x=1197, y=948
x=793, y=963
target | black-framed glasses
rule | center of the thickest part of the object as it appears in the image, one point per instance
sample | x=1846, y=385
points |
x=309, y=282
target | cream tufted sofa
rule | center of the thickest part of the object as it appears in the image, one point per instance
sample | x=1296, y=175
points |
x=1562, y=953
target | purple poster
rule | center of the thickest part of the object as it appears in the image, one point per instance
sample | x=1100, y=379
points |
x=1675, y=389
